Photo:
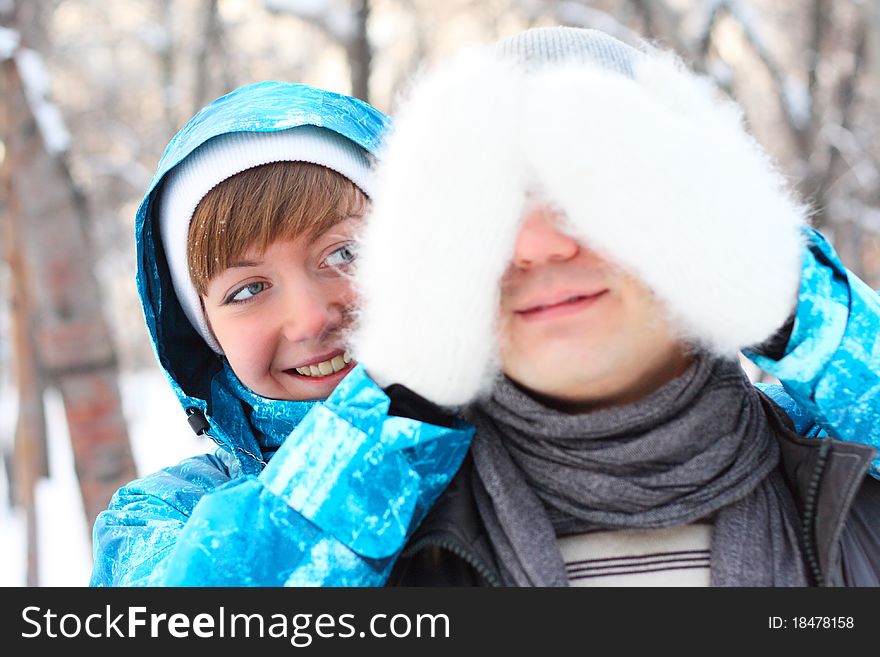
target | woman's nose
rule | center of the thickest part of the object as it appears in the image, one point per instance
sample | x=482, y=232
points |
x=540, y=241
x=312, y=311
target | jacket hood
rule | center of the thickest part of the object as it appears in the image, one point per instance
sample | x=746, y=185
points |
x=199, y=378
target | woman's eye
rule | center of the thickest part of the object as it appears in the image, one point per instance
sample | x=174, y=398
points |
x=246, y=293
x=342, y=256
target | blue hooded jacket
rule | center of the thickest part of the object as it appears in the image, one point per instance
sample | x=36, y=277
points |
x=327, y=493
x=830, y=370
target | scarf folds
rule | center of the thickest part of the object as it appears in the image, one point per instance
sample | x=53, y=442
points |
x=698, y=447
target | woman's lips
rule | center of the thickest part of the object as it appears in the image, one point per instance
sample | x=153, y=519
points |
x=324, y=368
x=323, y=379
x=568, y=306
x=315, y=360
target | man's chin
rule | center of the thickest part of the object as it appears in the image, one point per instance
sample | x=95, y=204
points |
x=563, y=379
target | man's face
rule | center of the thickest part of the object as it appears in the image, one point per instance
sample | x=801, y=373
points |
x=577, y=330
x=279, y=315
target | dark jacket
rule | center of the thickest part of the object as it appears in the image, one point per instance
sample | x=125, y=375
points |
x=838, y=505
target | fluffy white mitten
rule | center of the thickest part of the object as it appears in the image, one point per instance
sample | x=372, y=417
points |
x=655, y=171
x=431, y=254
x=658, y=173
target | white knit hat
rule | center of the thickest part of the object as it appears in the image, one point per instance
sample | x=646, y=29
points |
x=225, y=156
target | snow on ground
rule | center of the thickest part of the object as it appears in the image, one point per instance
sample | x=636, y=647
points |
x=159, y=436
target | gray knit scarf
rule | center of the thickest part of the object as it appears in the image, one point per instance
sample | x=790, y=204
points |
x=699, y=447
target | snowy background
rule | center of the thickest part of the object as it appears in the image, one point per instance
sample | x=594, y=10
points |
x=160, y=437
x=110, y=82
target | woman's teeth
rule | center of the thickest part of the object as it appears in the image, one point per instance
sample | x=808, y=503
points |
x=326, y=367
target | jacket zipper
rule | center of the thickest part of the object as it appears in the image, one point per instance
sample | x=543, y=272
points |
x=451, y=546
x=808, y=521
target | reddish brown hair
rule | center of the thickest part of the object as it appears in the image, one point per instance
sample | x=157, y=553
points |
x=253, y=209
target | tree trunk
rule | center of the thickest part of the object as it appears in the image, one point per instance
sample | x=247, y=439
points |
x=70, y=337
x=360, y=54
x=29, y=452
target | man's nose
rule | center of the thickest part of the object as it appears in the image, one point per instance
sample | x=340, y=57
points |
x=540, y=241
x=311, y=312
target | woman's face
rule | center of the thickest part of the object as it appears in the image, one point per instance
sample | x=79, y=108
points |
x=279, y=315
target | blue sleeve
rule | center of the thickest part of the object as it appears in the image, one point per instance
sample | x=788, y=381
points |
x=831, y=365
x=334, y=507
x=133, y=537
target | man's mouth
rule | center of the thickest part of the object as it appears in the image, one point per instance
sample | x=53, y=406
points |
x=326, y=367
x=561, y=303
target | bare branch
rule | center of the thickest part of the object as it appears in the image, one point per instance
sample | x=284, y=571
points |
x=872, y=18
x=846, y=96
x=662, y=21
x=35, y=79
x=166, y=64
x=819, y=18
x=706, y=32
x=9, y=40
x=793, y=99
x=360, y=53
x=211, y=44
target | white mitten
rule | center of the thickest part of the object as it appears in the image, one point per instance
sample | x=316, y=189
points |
x=655, y=171
x=431, y=254
x=658, y=173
